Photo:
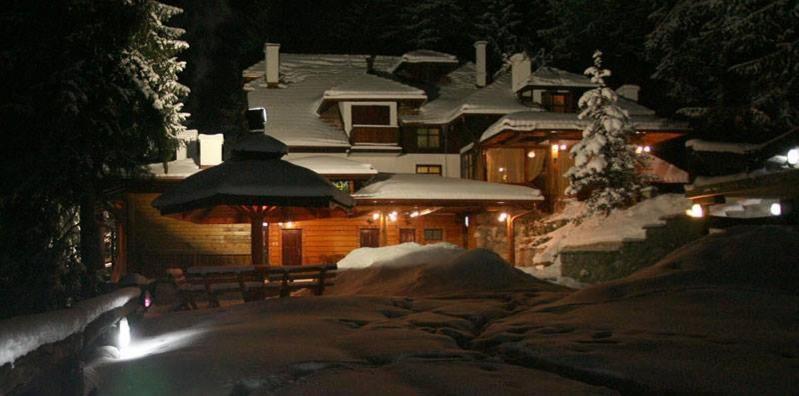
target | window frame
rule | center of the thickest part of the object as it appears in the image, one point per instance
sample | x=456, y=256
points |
x=427, y=137
x=547, y=101
x=430, y=166
x=439, y=231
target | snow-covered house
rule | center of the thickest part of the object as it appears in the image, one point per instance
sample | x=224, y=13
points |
x=531, y=147
x=385, y=129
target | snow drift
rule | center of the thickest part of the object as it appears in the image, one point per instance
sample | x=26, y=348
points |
x=404, y=254
x=434, y=271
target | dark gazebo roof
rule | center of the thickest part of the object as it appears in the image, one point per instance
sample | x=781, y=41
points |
x=255, y=175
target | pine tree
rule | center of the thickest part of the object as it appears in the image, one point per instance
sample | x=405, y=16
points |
x=604, y=161
x=501, y=25
x=433, y=24
x=732, y=64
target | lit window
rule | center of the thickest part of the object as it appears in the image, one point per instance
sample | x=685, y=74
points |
x=428, y=169
x=433, y=234
x=557, y=102
x=429, y=138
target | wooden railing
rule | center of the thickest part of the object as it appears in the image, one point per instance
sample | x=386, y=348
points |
x=155, y=264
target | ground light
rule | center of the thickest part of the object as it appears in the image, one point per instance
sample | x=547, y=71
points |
x=793, y=156
x=123, y=339
x=775, y=209
x=695, y=211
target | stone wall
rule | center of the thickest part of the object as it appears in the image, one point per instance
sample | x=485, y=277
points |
x=603, y=262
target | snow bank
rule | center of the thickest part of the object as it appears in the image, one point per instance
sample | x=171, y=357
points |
x=435, y=272
x=721, y=147
x=405, y=254
x=24, y=334
x=619, y=226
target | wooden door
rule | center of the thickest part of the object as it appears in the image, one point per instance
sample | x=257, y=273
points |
x=292, y=247
x=370, y=237
x=407, y=235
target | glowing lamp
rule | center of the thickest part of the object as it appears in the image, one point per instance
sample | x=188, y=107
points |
x=563, y=147
x=265, y=224
x=375, y=216
x=501, y=169
x=392, y=216
x=647, y=149
x=775, y=209
x=502, y=216
x=148, y=299
x=415, y=213
x=288, y=224
x=638, y=149
x=531, y=154
x=466, y=221
x=793, y=156
x=123, y=339
x=555, y=148
x=696, y=211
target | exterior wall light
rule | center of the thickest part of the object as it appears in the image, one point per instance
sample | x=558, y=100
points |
x=563, y=147
x=775, y=209
x=502, y=216
x=376, y=216
x=531, y=154
x=392, y=216
x=466, y=221
x=415, y=213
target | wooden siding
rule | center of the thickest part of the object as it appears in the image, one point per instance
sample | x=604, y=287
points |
x=381, y=135
x=157, y=242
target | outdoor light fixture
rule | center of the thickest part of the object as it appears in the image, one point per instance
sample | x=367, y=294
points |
x=502, y=216
x=288, y=224
x=531, y=154
x=501, y=169
x=466, y=221
x=647, y=149
x=695, y=211
x=793, y=156
x=265, y=224
x=415, y=213
x=376, y=216
x=148, y=299
x=392, y=216
x=638, y=149
x=563, y=147
x=555, y=149
x=123, y=339
x=775, y=209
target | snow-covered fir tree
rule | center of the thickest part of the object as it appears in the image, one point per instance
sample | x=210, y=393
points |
x=604, y=161
x=153, y=66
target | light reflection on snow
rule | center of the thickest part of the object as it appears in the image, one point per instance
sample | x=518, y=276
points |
x=139, y=348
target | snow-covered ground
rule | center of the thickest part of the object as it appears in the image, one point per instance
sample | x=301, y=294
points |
x=410, y=253
x=716, y=316
x=21, y=335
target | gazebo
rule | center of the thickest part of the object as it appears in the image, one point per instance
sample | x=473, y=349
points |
x=254, y=186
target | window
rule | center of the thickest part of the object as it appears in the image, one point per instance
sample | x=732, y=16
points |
x=433, y=234
x=467, y=165
x=428, y=169
x=428, y=138
x=370, y=237
x=371, y=115
x=557, y=102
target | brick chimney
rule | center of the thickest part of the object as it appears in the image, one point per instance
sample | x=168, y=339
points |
x=272, y=61
x=480, y=73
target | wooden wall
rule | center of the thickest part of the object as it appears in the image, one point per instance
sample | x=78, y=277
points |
x=328, y=240
x=157, y=242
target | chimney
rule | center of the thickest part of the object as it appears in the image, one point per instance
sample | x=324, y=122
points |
x=370, y=64
x=480, y=63
x=272, y=55
x=629, y=91
x=187, y=144
x=256, y=119
x=211, y=149
x=521, y=68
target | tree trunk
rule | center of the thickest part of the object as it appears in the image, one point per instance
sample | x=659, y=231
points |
x=90, y=249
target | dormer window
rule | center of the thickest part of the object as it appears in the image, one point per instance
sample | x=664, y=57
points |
x=557, y=102
x=371, y=115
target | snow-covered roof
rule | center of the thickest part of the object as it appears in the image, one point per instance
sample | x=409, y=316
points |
x=176, y=169
x=721, y=147
x=292, y=106
x=428, y=56
x=461, y=96
x=331, y=165
x=544, y=120
x=370, y=86
x=402, y=186
x=551, y=77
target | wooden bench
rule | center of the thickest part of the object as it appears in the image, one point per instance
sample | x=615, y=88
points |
x=253, y=282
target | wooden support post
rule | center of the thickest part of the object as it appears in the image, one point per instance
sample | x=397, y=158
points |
x=257, y=239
